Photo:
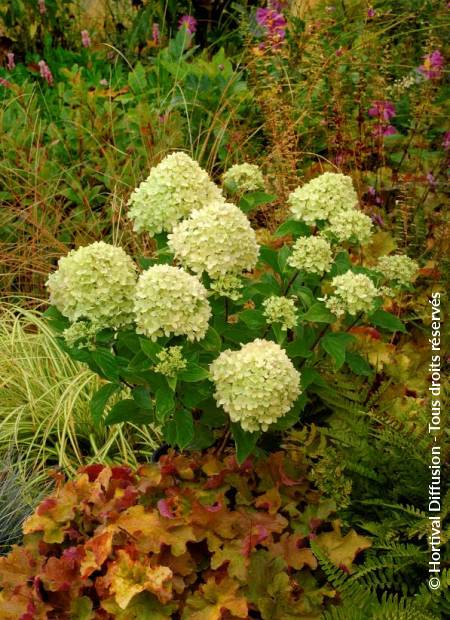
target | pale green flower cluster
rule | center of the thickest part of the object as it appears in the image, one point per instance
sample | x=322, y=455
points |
x=351, y=225
x=170, y=301
x=217, y=239
x=400, y=268
x=175, y=187
x=95, y=282
x=228, y=285
x=244, y=178
x=280, y=310
x=255, y=385
x=322, y=197
x=353, y=293
x=311, y=254
x=80, y=335
x=171, y=361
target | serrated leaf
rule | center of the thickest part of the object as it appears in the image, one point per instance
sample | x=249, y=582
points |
x=193, y=373
x=335, y=345
x=127, y=411
x=294, y=228
x=211, y=341
x=358, y=364
x=184, y=428
x=254, y=319
x=245, y=441
x=100, y=399
x=387, y=321
x=164, y=403
x=318, y=313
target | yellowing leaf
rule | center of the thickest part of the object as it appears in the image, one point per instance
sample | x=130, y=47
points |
x=213, y=598
x=342, y=550
x=127, y=577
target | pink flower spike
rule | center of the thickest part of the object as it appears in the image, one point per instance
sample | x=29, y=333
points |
x=155, y=34
x=371, y=12
x=5, y=83
x=188, y=22
x=45, y=72
x=432, y=66
x=10, y=64
x=446, y=141
x=42, y=7
x=85, y=38
x=384, y=110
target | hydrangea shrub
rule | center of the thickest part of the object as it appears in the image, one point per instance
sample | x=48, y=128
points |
x=216, y=335
x=193, y=538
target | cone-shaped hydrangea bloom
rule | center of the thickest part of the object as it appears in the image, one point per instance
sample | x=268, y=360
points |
x=351, y=224
x=175, y=187
x=353, y=293
x=217, y=239
x=311, y=254
x=243, y=178
x=256, y=385
x=170, y=301
x=95, y=282
x=328, y=194
x=171, y=361
x=280, y=310
x=399, y=268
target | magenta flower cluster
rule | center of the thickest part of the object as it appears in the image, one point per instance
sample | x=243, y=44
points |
x=188, y=22
x=273, y=23
x=383, y=111
x=433, y=65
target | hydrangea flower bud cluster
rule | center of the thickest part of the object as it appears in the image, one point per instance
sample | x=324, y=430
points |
x=169, y=301
x=175, y=187
x=244, y=178
x=311, y=254
x=350, y=225
x=96, y=282
x=171, y=361
x=326, y=195
x=217, y=239
x=280, y=310
x=80, y=335
x=228, y=285
x=255, y=385
x=400, y=268
x=353, y=293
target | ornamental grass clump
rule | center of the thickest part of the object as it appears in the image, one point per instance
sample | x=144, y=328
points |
x=96, y=283
x=191, y=538
x=217, y=239
x=174, y=188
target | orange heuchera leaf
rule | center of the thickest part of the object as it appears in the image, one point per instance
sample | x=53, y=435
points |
x=213, y=599
x=127, y=577
x=96, y=550
x=342, y=550
x=152, y=531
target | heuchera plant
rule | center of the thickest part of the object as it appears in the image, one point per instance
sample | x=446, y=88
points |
x=193, y=537
x=214, y=335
